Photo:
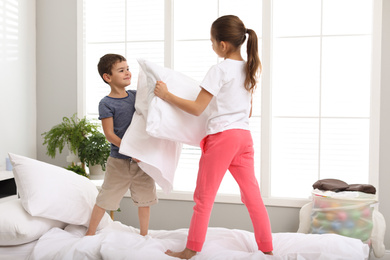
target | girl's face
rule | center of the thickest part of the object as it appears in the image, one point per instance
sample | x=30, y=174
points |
x=120, y=74
x=217, y=47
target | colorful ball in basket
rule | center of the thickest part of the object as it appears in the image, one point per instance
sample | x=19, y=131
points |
x=320, y=215
x=350, y=224
x=366, y=212
x=330, y=216
x=319, y=231
x=326, y=225
x=342, y=215
x=361, y=223
x=355, y=214
x=336, y=225
x=346, y=232
x=365, y=236
x=362, y=234
x=370, y=224
x=323, y=204
x=346, y=216
x=316, y=222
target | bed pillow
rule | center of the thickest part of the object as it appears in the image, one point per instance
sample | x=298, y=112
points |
x=163, y=119
x=158, y=157
x=53, y=192
x=144, y=93
x=18, y=227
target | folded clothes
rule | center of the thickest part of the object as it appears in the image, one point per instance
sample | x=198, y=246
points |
x=339, y=185
x=366, y=188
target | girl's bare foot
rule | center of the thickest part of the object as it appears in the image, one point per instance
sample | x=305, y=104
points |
x=268, y=253
x=185, y=254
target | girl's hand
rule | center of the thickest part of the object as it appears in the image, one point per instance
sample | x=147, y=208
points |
x=161, y=90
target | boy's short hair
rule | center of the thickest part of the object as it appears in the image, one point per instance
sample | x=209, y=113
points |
x=107, y=62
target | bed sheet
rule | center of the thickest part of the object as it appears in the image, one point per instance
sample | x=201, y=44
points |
x=19, y=252
x=118, y=241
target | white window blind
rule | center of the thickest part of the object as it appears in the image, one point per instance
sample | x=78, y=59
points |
x=312, y=113
x=193, y=56
x=134, y=29
x=320, y=93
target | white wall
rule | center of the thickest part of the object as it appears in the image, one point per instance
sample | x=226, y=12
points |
x=56, y=68
x=18, y=79
x=38, y=87
x=57, y=97
x=384, y=150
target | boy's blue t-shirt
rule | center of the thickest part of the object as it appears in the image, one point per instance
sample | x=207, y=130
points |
x=121, y=110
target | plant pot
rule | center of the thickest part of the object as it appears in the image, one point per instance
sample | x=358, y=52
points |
x=96, y=172
x=72, y=158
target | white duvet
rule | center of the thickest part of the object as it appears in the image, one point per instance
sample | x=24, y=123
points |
x=118, y=241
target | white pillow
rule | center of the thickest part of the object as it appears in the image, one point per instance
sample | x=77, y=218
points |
x=164, y=120
x=18, y=227
x=159, y=157
x=53, y=192
x=144, y=94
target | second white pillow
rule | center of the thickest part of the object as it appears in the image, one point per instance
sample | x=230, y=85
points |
x=18, y=227
x=165, y=120
x=53, y=192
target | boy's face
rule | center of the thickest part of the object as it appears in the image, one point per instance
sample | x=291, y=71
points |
x=120, y=75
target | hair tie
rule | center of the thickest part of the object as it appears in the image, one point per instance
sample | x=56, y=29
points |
x=246, y=30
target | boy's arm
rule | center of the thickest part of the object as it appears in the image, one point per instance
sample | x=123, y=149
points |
x=108, y=129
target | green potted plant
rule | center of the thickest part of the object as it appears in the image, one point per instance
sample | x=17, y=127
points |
x=94, y=151
x=71, y=132
x=77, y=169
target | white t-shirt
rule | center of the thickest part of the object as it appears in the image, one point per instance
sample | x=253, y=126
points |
x=230, y=106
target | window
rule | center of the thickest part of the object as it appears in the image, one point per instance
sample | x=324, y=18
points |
x=314, y=111
x=193, y=56
x=131, y=28
x=320, y=92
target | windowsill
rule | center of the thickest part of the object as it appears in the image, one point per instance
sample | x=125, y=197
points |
x=234, y=199
x=8, y=198
x=221, y=198
x=5, y=175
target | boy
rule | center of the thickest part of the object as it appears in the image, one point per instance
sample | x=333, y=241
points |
x=116, y=112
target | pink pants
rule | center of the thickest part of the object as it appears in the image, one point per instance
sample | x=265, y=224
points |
x=233, y=150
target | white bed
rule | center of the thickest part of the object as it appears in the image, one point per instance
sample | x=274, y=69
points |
x=117, y=241
x=18, y=252
x=50, y=219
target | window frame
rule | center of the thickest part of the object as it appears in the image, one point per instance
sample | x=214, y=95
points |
x=266, y=93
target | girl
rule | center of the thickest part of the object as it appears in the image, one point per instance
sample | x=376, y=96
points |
x=227, y=89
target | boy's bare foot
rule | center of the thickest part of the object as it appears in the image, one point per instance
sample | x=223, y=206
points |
x=268, y=253
x=185, y=254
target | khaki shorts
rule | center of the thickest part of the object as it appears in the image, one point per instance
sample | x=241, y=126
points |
x=121, y=175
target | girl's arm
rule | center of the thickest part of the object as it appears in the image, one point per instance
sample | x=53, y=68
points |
x=108, y=129
x=195, y=108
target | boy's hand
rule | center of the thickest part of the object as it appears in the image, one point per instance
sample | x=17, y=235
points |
x=161, y=90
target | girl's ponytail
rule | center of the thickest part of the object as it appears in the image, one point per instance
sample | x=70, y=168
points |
x=231, y=29
x=253, y=64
